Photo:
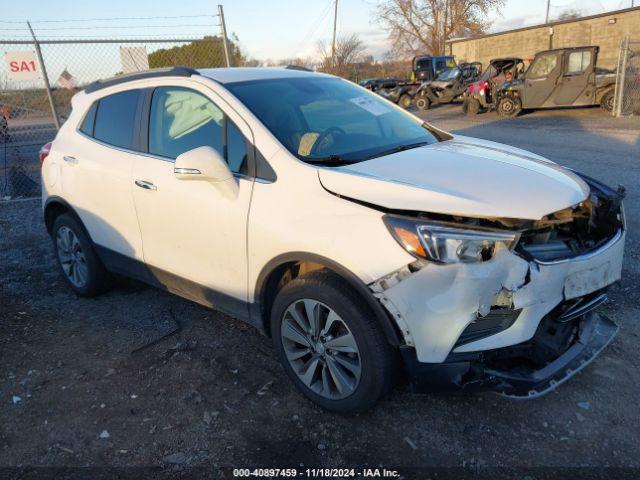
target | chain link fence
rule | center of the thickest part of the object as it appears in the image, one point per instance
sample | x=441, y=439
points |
x=627, y=95
x=27, y=121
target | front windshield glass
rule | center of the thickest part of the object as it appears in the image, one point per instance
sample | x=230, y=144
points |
x=488, y=74
x=329, y=119
x=449, y=74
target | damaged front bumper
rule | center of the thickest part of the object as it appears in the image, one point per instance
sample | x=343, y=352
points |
x=507, y=371
x=442, y=311
x=436, y=304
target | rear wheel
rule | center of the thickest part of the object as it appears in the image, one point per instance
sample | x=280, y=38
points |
x=471, y=107
x=80, y=266
x=405, y=101
x=508, y=107
x=607, y=101
x=329, y=343
x=423, y=103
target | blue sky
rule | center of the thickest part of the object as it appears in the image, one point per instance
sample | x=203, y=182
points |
x=268, y=29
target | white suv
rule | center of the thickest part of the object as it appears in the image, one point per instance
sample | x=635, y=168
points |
x=353, y=233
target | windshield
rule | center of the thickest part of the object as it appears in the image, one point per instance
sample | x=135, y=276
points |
x=488, y=74
x=449, y=74
x=320, y=118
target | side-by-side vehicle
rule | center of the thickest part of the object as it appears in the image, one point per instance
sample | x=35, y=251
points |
x=564, y=77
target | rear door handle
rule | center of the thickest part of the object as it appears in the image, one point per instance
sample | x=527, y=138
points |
x=70, y=159
x=145, y=184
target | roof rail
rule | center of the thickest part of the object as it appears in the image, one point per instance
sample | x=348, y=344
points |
x=128, y=77
x=298, y=67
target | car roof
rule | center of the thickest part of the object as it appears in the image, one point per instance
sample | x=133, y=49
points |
x=567, y=49
x=220, y=75
x=506, y=59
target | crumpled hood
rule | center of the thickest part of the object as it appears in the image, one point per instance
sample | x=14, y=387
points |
x=464, y=176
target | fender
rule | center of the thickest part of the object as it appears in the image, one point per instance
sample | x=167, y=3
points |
x=258, y=307
x=54, y=199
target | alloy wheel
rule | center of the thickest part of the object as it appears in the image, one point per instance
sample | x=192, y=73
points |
x=321, y=349
x=71, y=256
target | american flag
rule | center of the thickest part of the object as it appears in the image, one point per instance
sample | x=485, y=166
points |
x=66, y=80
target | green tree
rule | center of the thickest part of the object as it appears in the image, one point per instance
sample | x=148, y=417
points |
x=205, y=53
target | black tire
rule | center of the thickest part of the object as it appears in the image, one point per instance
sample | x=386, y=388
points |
x=378, y=358
x=607, y=101
x=97, y=277
x=471, y=107
x=405, y=101
x=423, y=103
x=508, y=107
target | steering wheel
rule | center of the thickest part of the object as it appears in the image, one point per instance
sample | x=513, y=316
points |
x=323, y=136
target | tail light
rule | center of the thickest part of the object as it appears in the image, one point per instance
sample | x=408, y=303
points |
x=44, y=152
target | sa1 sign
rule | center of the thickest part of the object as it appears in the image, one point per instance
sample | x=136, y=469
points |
x=22, y=65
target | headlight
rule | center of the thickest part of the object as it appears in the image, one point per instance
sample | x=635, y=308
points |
x=447, y=243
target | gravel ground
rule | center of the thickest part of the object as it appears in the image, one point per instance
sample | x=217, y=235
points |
x=77, y=390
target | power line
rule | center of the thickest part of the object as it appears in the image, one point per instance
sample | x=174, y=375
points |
x=109, y=19
x=315, y=25
x=186, y=36
x=118, y=26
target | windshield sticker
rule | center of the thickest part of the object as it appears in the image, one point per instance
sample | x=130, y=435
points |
x=371, y=106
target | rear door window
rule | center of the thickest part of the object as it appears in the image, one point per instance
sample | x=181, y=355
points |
x=115, y=119
x=578, y=62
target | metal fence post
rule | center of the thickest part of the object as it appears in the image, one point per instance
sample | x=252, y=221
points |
x=225, y=42
x=621, y=78
x=56, y=120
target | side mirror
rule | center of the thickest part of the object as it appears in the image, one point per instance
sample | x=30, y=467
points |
x=205, y=163
x=202, y=163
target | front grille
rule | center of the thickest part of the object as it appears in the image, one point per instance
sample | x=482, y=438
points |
x=496, y=321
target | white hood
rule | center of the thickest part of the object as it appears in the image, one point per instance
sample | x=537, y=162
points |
x=464, y=176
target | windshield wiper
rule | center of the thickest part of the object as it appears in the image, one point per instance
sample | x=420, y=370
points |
x=331, y=160
x=399, y=148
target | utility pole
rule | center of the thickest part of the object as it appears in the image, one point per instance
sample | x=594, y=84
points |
x=225, y=42
x=45, y=77
x=333, y=44
x=546, y=18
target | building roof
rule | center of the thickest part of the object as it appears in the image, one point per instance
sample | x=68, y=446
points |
x=550, y=24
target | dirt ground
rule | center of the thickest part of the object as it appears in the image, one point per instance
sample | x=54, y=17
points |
x=77, y=389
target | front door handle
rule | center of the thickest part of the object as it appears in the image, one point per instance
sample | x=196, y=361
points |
x=70, y=159
x=145, y=184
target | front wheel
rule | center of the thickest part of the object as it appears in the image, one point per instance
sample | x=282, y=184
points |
x=508, y=107
x=330, y=344
x=405, y=101
x=423, y=103
x=471, y=107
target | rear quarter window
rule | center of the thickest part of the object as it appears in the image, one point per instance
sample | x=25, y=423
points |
x=89, y=120
x=115, y=119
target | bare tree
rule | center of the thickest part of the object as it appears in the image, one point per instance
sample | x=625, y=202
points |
x=349, y=51
x=572, y=14
x=424, y=26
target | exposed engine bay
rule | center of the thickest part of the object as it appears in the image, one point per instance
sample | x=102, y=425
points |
x=563, y=234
